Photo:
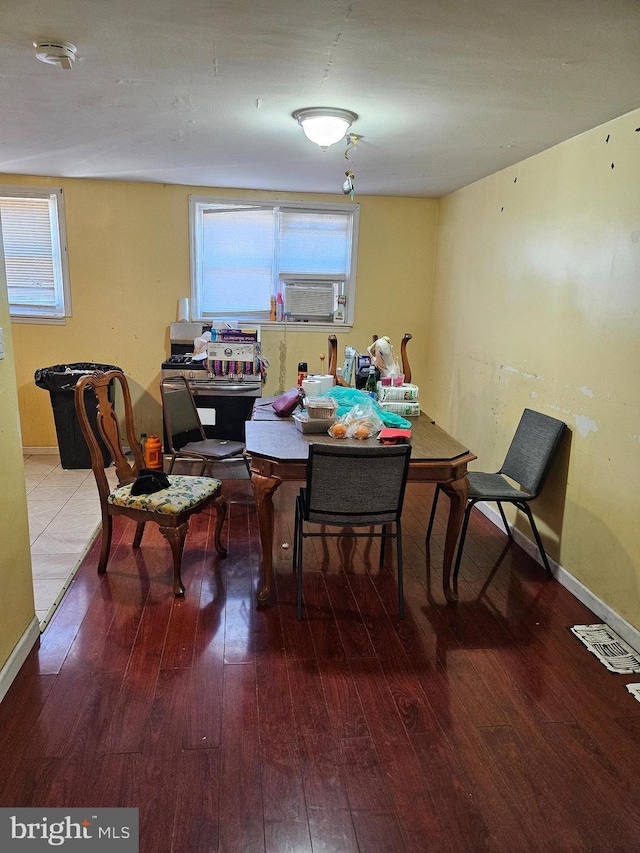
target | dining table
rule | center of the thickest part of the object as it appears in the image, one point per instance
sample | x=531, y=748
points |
x=278, y=451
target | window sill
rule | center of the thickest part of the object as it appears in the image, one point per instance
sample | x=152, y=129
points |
x=52, y=321
x=272, y=325
x=303, y=326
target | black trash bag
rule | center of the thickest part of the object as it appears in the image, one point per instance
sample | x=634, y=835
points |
x=63, y=377
x=60, y=381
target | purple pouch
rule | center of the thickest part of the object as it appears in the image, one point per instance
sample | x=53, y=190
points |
x=287, y=403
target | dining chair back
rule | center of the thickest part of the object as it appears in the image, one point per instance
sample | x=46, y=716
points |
x=185, y=434
x=527, y=463
x=140, y=496
x=351, y=486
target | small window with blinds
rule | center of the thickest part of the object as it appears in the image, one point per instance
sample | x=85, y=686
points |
x=35, y=254
x=242, y=251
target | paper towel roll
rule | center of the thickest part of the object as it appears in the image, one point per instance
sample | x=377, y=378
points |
x=326, y=381
x=183, y=310
x=311, y=387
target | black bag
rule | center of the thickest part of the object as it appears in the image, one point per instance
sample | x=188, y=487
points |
x=150, y=481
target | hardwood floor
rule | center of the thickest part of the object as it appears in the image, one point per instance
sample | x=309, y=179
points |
x=486, y=726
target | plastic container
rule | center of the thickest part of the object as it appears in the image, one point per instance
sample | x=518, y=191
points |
x=153, y=453
x=60, y=381
x=320, y=407
x=312, y=425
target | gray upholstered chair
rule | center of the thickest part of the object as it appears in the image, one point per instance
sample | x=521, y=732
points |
x=350, y=486
x=527, y=462
x=184, y=432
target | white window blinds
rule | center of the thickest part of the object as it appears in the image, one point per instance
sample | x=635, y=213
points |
x=240, y=251
x=237, y=260
x=33, y=255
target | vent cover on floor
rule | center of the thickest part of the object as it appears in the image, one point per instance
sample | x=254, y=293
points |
x=634, y=689
x=608, y=647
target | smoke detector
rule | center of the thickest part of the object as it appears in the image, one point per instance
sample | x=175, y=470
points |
x=56, y=53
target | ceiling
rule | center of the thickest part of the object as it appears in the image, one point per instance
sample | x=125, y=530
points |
x=201, y=92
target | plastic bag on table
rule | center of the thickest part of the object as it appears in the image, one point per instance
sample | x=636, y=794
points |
x=346, y=398
x=361, y=421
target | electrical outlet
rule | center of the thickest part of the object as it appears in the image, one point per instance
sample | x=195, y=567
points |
x=1, y=342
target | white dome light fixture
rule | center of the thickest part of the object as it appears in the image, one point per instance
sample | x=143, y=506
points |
x=60, y=53
x=324, y=125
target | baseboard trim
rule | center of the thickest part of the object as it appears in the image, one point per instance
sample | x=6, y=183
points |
x=18, y=656
x=624, y=629
x=41, y=451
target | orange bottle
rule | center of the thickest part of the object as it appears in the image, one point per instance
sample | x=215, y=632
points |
x=153, y=453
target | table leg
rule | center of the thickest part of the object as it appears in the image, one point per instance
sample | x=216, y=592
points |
x=458, y=493
x=263, y=490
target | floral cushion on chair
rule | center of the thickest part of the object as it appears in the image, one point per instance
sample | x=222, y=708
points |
x=183, y=493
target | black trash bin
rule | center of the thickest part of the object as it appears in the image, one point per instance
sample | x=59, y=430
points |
x=60, y=381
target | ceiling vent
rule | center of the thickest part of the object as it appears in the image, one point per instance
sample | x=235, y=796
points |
x=56, y=53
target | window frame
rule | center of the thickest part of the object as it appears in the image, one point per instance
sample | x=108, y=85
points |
x=62, y=310
x=198, y=203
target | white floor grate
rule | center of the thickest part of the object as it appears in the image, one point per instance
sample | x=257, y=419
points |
x=608, y=647
x=634, y=689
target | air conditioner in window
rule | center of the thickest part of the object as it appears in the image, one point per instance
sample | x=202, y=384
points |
x=311, y=300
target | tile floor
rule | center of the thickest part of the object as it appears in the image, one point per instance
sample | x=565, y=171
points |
x=64, y=514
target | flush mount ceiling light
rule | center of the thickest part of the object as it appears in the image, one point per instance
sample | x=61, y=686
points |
x=324, y=125
x=56, y=53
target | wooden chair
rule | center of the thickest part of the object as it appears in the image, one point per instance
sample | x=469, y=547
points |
x=527, y=463
x=333, y=358
x=349, y=487
x=170, y=508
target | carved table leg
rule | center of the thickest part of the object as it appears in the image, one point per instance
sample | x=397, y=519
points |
x=263, y=490
x=458, y=493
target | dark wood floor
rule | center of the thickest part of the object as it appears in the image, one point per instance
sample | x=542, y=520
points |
x=486, y=726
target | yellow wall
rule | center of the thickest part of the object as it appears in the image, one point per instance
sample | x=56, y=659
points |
x=17, y=607
x=537, y=303
x=129, y=264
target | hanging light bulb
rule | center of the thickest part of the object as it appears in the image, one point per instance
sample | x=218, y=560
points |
x=324, y=125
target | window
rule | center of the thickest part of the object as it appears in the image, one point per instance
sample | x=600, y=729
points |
x=242, y=252
x=35, y=254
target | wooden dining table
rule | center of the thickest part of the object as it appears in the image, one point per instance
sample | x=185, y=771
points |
x=279, y=451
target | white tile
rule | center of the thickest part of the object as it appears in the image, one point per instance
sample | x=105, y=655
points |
x=77, y=506
x=40, y=464
x=58, y=477
x=50, y=566
x=43, y=510
x=73, y=525
x=46, y=591
x=32, y=482
x=63, y=542
x=36, y=528
x=64, y=517
x=60, y=493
